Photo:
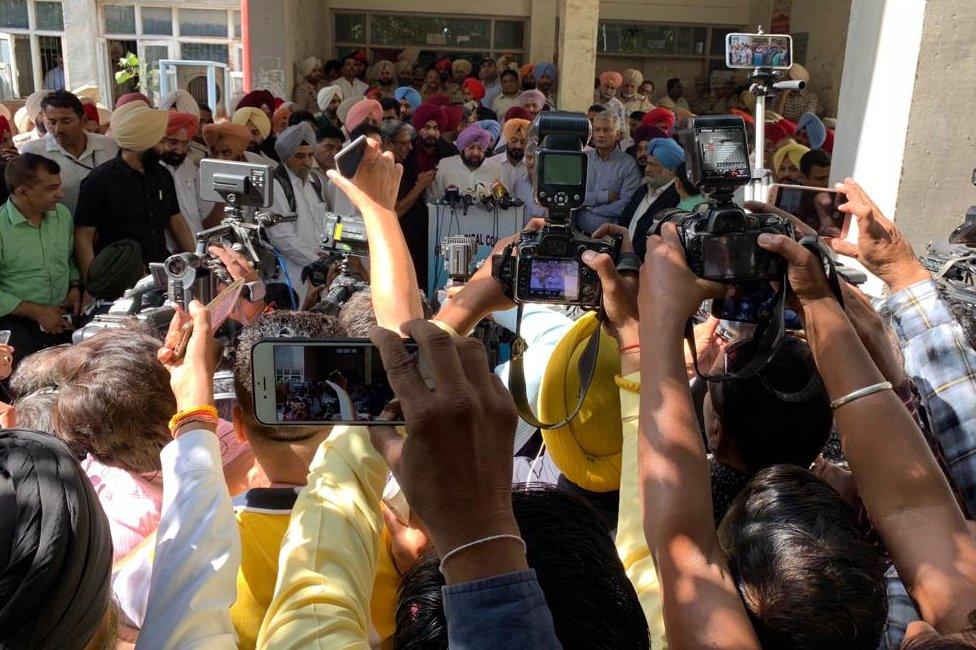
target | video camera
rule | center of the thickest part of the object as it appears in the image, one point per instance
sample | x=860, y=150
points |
x=720, y=239
x=549, y=267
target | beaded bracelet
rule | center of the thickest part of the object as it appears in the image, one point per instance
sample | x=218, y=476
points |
x=205, y=413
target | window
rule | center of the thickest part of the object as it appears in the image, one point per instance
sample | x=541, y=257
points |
x=157, y=21
x=350, y=28
x=119, y=19
x=13, y=14
x=204, y=52
x=203, y=22
x=49, y=16
x=509, y=34
x=626, y=38
x=236, y=17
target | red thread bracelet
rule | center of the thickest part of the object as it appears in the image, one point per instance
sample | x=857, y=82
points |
x=628, y=348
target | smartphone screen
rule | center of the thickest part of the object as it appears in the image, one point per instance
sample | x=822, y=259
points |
x=347, y=160
x=314, y=382
x=814, y=206
x=759, y=51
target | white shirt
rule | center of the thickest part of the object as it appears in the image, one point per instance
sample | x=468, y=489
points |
x=298, y=241
x=453, y=171
x=260, y=159
x=186, y=177
x=355, y=89
x=667, y=102
x=198, y=551
x=642, y=207
x=502, y=103
x=510, y=172
x=98, y=149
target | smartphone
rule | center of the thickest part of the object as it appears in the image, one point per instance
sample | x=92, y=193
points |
x=4, y=337
x=814, y=206
x=348, y=159
x=759, y=51
x=316, y=382
x=220, y=308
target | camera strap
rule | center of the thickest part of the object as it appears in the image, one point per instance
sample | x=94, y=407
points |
x=516, y=375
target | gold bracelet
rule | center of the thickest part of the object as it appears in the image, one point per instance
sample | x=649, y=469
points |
x=628, y=385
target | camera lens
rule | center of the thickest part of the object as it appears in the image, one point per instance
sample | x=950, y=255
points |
x=176, y=265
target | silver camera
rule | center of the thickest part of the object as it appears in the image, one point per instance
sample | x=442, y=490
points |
x=237, y=183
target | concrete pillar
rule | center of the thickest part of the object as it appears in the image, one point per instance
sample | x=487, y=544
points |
x=577, y=53
x=80, y=45
x=271, y=63
x=903, y=129
x=542, y=31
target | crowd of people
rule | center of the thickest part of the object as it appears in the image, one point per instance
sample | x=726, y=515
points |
x=825, y=502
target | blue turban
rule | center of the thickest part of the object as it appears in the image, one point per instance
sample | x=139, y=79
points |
x=667, y=152
x=547, y=69
x=492, y=127
x=410, y=94
x=816, y=131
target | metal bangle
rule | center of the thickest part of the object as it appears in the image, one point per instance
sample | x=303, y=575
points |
x=477, y=542
x=859, y=393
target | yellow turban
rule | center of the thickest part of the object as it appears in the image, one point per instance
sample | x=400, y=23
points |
x=632, y=76
x=587, y=450
x=513, y=126
x=379, y=67
x=461, y=65
x=137, y=127
x=255, y=117
x=795, y=151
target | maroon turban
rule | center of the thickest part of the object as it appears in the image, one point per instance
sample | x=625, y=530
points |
x=427, y=112
x=517, y=113
x=257, y=99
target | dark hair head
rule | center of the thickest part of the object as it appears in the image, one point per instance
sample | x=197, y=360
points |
x=116, y=401
x=508, y=72
x=328, y=132
x=299, y=116
x=36, y=411
x=43, y=369
x=673, y=81
x=348, y=57
x=367, y=130
x=596, y=108
x=276, y=325
x=63, y=99
x=390, y=103
x=814, y=158
x=681, y=172
x=637, y=115
x=204, y=108
x=332, y=65
x=784, y=431
x=592, y=601
x=22, y=170
x=808, y=575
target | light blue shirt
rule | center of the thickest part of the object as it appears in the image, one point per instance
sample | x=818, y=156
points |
x=490, y=93
x=617, y=173
x=54, y=79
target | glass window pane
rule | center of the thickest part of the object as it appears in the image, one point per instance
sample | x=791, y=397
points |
x=13, y=14
x=203, y=22
x=236, y=16
x=420, y=30
x=650, y=39
x=157, y=21
x=152, y=56
x=49, y=16
x=509, y=34
x=119, y=19
x=204, y=52
x=350, y=28
x=718, y=39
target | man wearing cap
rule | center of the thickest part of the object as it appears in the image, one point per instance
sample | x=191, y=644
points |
x=629, y=97
x=429, y=148
x=791, y=104
x=612, y=176
x=512, y=160
x=674, y=97
x=306, y=90
x=657, y=191
x=348, y=83
x=76, y=151
x=131, y=196
x=298, y=191
x=469, y=168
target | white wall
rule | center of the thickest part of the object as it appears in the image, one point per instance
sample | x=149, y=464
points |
x=826, y=23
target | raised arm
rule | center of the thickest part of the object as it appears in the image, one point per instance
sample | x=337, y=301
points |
x=396, y=296
x=702, y=607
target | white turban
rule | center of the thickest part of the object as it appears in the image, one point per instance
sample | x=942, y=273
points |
x=28, y=113
x=325, y=96
x=308, y=64
x=182, y=101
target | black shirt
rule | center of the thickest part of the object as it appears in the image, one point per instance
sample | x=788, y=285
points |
x=414, y=225
x=123, y=203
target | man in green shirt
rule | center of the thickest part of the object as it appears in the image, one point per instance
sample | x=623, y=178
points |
x=39, y=281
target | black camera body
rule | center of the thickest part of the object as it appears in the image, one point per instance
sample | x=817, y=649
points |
x=720, y=239
x=549, y=265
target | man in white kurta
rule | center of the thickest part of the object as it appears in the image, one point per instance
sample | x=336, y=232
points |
x=469, y=168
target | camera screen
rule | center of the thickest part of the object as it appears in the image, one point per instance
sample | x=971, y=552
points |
x=724, y=152
x=814, y=207
x=328, y=383
x=759, y=51
x=729, y=256
x=554, y=279
x=562, y=169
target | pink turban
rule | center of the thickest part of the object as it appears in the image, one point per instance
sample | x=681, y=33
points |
x=429, y=112
x=361, y=110
x=536, y=96
x=185, y=121
x=474, y=134
x=612, y=77
x=132, y=97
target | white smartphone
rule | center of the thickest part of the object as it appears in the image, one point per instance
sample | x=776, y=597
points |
x=4, y=337
x=747, y=51
x=315, y=382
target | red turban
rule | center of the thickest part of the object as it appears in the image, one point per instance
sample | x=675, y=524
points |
x=429, y=112
x=438, y=100
x=4, y=126
x=455, y=113
x=374, y=93
x=475, y=87
x=257, y=99
x=179, y=121
x=360, y=56
x=91, y=112
x=656, y=115
x=613, y=77
x=780, y=130
x=442, y=66
x=749, y=119
x=517, y=113
x=132, y=97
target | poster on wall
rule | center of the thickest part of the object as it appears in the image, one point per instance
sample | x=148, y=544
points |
x=779, y=22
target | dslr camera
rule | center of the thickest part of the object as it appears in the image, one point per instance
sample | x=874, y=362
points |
x=719, y=238
x=548, y=267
